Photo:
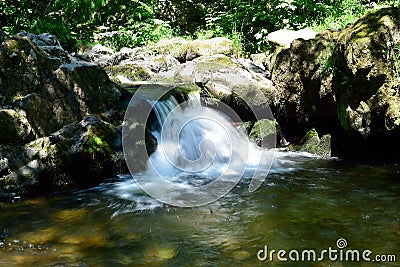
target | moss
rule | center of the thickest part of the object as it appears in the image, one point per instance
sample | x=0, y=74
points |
x=181, y=52
x=311, y=143
x=63, y=147
x=327, y=61
x=265, y=132
x=204, y=67
x=217, y=59
x=132, y=72
x=98, y=139
x=341, y=112
x=183, y=91
x=219, y=45
x=95, y=144
x=169, y=46
x=245, y=127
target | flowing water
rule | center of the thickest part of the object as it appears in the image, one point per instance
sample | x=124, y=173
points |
x=305, y=203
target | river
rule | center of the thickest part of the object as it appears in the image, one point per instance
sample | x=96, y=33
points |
x=305, y=203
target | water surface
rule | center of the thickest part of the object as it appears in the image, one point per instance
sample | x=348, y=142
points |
x=305, y=203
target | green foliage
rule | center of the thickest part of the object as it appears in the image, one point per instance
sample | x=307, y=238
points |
x=327, y=62
x=255, y=19
x=121, y=23
x=20, y=15
x=139, y=34
x=96, y=144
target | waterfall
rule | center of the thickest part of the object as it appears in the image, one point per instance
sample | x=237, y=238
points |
x=199, y=141
x=200, y=156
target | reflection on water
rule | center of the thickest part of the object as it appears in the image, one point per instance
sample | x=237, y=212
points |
x=305, y=203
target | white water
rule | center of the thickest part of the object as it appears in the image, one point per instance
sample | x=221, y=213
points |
x=199, y=140
x=200, y=155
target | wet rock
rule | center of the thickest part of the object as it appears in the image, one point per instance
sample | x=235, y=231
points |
x=344, y=83
x=45, y=127
x=224, y=79
x=198, y=48
x=266, y=132
x=313, y=144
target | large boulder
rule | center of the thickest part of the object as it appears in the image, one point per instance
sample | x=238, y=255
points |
x=198, y=48
x=367, y=86
x=79, y=154
x=302, y=76
x=345, y=83
x=228, y=80
x=46, y=96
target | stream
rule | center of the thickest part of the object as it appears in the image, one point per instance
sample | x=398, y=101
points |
x=304, y=203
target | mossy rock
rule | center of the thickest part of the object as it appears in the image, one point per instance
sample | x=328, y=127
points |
x=392, y=115
x=311, y=143
x=223, y=60
x=266, y=133
x=79, y=155
x=198, y=48
x=133, y=72
x=14, y=128
x=94, y=90
x=170, y=46
x=44, y=116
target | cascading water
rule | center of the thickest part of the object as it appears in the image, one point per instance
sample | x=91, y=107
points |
x=196, y=140
x=200, y=154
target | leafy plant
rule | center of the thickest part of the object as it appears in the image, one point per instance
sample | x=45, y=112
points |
x=139, y=34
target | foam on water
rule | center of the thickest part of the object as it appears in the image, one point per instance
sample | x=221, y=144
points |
x=196, y=147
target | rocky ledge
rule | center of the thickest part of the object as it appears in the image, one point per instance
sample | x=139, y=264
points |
x=345, y=83
x=59, y=117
